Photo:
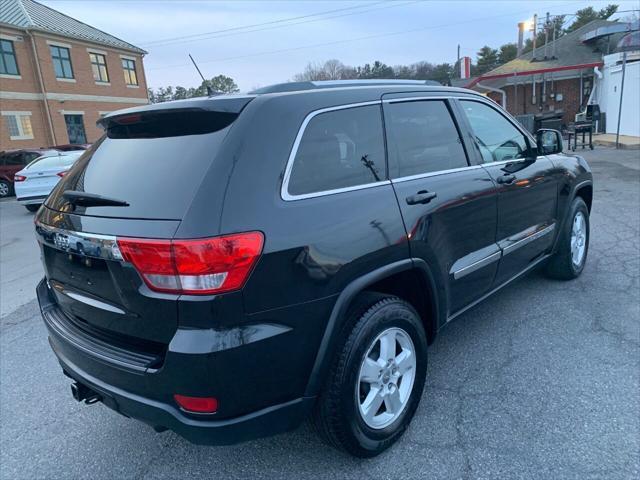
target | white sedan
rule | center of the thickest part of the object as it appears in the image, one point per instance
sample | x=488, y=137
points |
x=35, y=181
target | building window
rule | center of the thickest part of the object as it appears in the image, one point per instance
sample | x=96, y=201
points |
x=19, y=125
x=61, y=61
x=99, y=67
x=8, y=63
x=129, y=67
x=75, y=128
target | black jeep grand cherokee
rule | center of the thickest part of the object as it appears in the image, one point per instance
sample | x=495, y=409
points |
x=227, y=266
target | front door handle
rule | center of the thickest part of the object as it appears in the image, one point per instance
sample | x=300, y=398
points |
x=421, y=197
x=506, y=179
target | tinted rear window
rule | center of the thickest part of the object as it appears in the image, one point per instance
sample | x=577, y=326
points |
x=422, y=138
x=155, y=167
x=338, y=149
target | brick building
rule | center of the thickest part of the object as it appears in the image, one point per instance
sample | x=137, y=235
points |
x=554, y=81
x=59, y=75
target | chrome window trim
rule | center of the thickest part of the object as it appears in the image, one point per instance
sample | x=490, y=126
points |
x=434, y=173
x=409, y=99
x=284, y=189
x=526, y=240
x=464, y=271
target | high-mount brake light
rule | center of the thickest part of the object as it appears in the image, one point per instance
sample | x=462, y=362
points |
x=199, y=267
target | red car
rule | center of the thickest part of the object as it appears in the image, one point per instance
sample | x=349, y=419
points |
x=12, y=161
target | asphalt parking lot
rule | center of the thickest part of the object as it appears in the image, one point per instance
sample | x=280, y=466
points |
x=540, y=381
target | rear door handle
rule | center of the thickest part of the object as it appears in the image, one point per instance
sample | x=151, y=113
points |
x=506, y=179
x=421, y=197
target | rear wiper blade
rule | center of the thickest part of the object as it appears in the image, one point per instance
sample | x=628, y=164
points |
x=84, y=199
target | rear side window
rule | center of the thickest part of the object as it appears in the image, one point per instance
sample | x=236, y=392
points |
x=422, y=138
x=339, y=149
x=155, y=162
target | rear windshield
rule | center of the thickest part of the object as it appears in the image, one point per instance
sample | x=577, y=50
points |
x=154, y=163
x=54, y=161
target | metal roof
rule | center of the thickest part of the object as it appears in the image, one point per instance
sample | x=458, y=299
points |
x=28, y=14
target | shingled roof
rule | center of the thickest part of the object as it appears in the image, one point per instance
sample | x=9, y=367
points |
x=27, y=14
x=569, y=50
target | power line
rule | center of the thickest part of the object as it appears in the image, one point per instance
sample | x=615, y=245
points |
x=234, y=30
x=338, y=42
x=388, y=5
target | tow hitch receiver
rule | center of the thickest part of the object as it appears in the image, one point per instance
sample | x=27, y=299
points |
x=83, y=393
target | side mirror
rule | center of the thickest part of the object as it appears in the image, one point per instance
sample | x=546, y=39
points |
x=549, y=141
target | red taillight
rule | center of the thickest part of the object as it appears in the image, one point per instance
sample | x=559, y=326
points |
x=197, y=404
x=61, y=174
x=19, y=178
x=202, y=266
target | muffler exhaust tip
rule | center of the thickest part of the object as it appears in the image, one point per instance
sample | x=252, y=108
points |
x=82, y=393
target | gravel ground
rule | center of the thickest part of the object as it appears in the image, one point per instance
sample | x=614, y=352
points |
x=539, y=381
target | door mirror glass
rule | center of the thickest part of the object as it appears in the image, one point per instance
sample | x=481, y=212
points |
x=549, y=141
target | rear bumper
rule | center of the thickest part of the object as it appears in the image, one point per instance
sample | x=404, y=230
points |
x=145, y=394
x=31, y=200
x=268, y=421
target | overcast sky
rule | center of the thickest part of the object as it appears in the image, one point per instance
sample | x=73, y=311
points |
x=294, y=33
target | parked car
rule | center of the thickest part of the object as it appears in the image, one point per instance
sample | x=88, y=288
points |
x=34, y=183
x=307, y=254
x=70, y=147
x=11, y=161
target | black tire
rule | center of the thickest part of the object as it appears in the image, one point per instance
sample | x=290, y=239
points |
x=561, y=265
x=337, y=415
x=32, y=208
x=6, y=189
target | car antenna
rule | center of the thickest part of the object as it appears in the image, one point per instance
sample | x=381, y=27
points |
x=210, y=91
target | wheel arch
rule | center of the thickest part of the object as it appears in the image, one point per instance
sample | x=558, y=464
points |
x=584, y=190
x=382, y=280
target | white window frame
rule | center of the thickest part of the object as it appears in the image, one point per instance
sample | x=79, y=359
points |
x=17, y=116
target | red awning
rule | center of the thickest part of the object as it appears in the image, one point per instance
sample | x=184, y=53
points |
x=533, y=72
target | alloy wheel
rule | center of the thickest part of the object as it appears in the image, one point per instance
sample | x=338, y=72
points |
x=386, y=378
x=578, y=239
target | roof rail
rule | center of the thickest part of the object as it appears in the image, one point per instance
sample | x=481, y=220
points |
x=314, y=85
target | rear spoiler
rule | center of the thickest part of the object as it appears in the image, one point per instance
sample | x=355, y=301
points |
x=223, y=104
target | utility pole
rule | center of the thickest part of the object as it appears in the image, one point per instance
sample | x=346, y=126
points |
x=458, y=62
x=624, y=67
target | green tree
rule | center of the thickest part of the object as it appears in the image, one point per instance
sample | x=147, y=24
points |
x=507, y=52
x=487, y=60
x=222, y=83
x=589, y=14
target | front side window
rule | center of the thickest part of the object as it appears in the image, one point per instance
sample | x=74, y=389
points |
x=19, y=126
x=129, y=67
x=8, y=62
x=61, y=61
x=496, y=137
x=99, y=67
x=422, y=138
x=339, y=149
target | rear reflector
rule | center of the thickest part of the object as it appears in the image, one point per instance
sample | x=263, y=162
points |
x=197, y=404
x=19, y=178
x=202, y=266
